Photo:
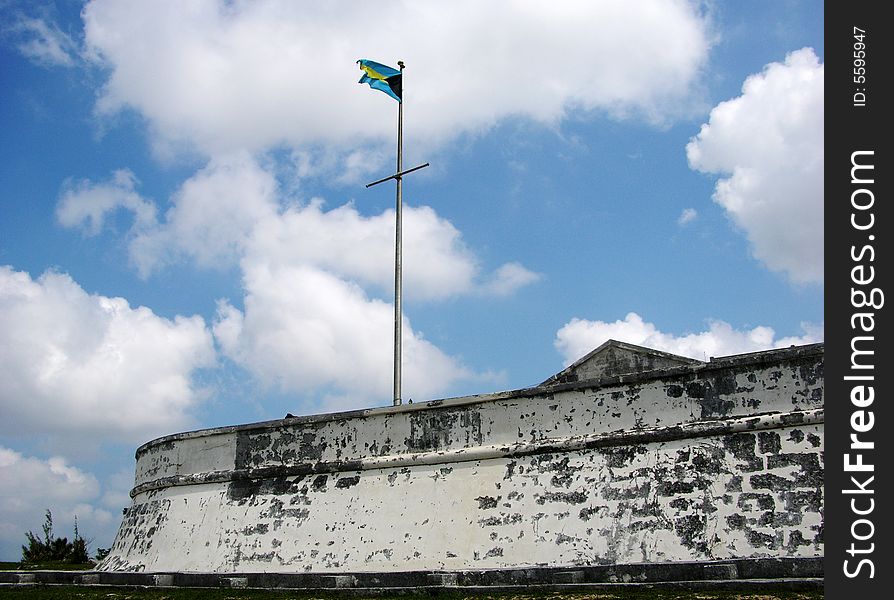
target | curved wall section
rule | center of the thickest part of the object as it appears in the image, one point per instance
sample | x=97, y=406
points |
x=699, y=462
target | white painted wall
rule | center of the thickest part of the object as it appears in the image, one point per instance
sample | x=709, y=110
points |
x=717, y=462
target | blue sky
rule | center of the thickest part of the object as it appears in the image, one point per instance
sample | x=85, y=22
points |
x=186, y=240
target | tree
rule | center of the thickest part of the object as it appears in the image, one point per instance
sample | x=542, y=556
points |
x=53, y=549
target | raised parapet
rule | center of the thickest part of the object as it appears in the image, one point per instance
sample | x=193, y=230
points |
x=692, y=461
x=615, y=358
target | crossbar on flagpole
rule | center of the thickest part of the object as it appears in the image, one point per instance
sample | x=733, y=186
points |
x=396, y=175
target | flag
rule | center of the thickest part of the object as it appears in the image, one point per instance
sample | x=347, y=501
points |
x=381, y=77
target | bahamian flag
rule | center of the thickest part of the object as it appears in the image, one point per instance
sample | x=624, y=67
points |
x=381, y=77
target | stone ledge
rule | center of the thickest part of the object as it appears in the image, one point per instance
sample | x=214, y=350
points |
x=764, y=573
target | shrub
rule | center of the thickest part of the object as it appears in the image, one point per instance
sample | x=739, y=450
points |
x=53, y=549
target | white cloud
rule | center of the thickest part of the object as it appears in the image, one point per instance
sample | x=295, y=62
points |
x=28, y=476
x=213, y=216
x=687, y=216
x=231, y=210
x=92, y=367
x=305, y=329
x=29, y=486
x=508, y=278
x=309, y=319
x=436, y=261
x=769, y=141
x=85, y=204
x=308, y=323
x=341, y=240
x=222, y=75
x=579, y=336
x=43, y=42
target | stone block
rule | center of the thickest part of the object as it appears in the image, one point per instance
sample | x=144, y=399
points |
x=443, y=579
x=721, y=571
x=234, y=582
x=338, y=581
x=569, y=577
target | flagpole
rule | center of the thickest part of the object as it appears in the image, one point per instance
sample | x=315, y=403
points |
x=386, y=79
x=397, y=244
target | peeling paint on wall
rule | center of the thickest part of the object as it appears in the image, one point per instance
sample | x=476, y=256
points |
x=697, y=462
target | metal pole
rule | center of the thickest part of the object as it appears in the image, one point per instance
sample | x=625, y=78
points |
x=397, y=242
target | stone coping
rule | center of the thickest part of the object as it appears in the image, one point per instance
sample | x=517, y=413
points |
x=755, y=573
x=736, y=361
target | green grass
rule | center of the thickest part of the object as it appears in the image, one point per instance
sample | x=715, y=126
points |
x=110, y=593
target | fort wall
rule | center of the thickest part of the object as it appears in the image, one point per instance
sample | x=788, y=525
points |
x=708, y=461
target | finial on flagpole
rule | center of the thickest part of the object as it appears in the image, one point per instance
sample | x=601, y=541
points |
x=400, y=64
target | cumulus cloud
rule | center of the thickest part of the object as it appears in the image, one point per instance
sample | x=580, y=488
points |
x=75, y=364
x=769, y=141
x=579, y=336
x=305, y=329
x=308, y=322
x=341, y=240
x=212, y=217
x=436, y=261
x=85, y=204
x=220, y=75
x=28, y=476
x=30, y=485
x=233, y=209
x=310, y=317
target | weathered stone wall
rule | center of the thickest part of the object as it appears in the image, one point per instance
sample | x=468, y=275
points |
x=714, y=461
